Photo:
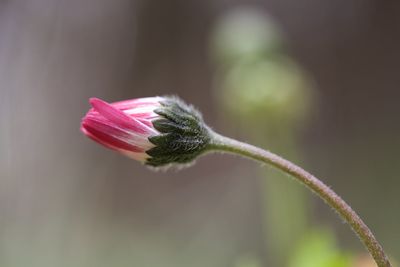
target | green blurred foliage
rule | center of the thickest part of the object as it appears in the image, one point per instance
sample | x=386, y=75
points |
x=258, y=83
x=267, y=93
x=319, y=249
x=245, y=33
x=264, y=91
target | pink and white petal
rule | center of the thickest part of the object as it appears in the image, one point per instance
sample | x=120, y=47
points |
x=142, y=110
x=138, y=102
x=130, y=137
x=94, y=138
x=146, y=122
x=108, y=140
x=145, y=144
x=119, y=117
x=140, y=156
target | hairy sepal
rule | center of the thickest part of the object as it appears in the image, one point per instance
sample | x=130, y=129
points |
x=183, y=134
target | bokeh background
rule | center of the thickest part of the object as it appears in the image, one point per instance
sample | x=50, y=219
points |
x=316, y=81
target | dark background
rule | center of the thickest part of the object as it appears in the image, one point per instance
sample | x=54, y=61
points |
x=65, y=201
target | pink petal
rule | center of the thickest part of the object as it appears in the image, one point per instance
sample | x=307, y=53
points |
x=107, y=135
x=146, y=122
x=94, y=138
x=118, y=117
x=137, y=102
x=111, y=128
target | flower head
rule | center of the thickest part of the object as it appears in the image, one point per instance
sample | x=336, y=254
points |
x=157, y=131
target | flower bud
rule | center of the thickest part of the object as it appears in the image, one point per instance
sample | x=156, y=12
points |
x=156, y=131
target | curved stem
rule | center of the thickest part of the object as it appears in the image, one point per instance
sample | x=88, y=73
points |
x=225, y=144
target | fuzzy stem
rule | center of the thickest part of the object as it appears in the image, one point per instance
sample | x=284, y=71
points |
x=225, y=144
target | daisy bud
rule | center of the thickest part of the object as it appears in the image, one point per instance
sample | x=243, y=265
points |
x=156, y=131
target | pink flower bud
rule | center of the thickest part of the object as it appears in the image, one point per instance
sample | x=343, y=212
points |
x=123, y=126
x=158, y=131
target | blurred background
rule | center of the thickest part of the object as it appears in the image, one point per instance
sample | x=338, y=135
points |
x=315, y=81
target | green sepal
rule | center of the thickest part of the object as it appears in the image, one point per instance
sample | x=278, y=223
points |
x=184, y=135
